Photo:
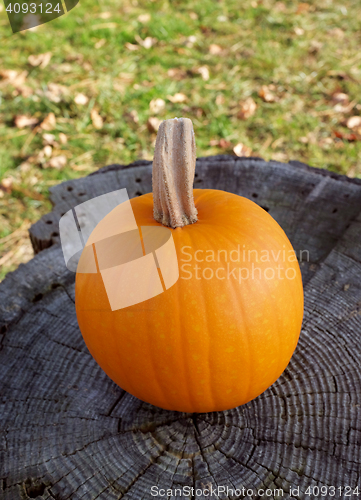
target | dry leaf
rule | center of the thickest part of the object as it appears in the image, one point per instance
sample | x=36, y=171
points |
x=105, y=15
x=340, y=98
x=97, y=120
x=57, y=162
x=55, y=92
x=248, y=108
x=6, y=184
x=354, y=122
x=48, y=139
x=280, y=7
x=337, y=33
x=147, y=43
x=302, y=7
x=220, y=99
x=133, y=115
x=315, y=47
x=63, y=138
x=22, y=121
x=203, y=71
x=25, y=167
x=346, y=136
x=190, y=41
x=79, y=58
x=177, y=73
x=224, y=144
x=156, y=106
x=65, y=67
x=13, y=77
x=131, y=46
x=41, y=60
x=279, y=156
x=242, y=150
x=87, y=66
x=193, y=16
x=153, y=124
x=222, y=19
x=177, y=98
x=299, y=31
x=100, y=43
x=275, y=144
x=266, y=94
x=81, y=99
x=144, y=18
x=48, y=150
x=326, y=142
x=49, y=122
x=215, y=49
x=342, y=103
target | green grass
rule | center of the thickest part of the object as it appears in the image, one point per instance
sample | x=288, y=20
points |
x=306, y=54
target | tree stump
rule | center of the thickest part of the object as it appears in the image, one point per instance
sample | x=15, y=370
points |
x=68, y=432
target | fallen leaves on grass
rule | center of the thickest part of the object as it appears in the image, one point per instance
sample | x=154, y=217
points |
x=16, y=247
x=242, y=150
x=13, y=77
x=248, y=109
x=22, y=121
x=156, y=106
x=346, y=136
x=153, y=124
x=97, y=120
x=81, y=99
x=266, y=94
x=176, y=98
x=41, y=60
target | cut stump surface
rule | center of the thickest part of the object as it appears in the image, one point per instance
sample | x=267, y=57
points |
x=68, y=432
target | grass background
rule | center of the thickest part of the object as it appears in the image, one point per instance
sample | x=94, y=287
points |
x=123, y=55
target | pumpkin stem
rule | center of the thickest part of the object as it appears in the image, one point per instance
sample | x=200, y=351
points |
x=173, y=173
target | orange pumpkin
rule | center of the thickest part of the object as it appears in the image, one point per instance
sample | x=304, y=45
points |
x=226, y=330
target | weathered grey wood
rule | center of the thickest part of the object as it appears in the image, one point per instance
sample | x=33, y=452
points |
x=68, y=432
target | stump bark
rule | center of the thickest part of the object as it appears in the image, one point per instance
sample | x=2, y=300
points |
x=68, y=432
